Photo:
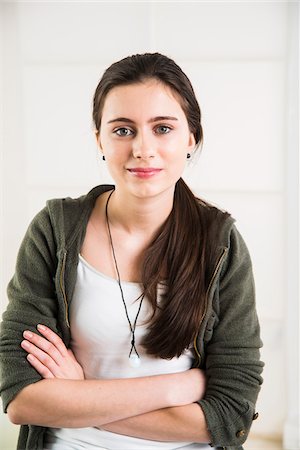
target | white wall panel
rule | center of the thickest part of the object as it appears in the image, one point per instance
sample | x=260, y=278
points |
x=214, y=30
x=243, y=105
x=82, y=31
x=59, y=138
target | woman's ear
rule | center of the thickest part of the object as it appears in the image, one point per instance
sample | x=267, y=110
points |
x=192, y=143
x=97, y=136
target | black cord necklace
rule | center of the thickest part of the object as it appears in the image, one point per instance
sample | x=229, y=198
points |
x=134, y=358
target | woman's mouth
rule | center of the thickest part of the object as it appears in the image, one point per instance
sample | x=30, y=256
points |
x=144, y=172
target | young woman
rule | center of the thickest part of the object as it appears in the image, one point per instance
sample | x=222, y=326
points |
x=131, y=322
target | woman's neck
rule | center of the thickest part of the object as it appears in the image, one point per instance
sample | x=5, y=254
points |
x=139, y=215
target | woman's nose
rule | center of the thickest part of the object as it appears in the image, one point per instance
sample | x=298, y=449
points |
x=143, y=147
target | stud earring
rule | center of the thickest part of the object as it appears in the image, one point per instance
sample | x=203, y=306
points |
x=103, y=157
x=188, y=156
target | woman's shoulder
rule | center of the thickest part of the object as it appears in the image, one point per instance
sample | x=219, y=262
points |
x=221, y=224
x=230, y=240
x=65, y=217
x=69, y=205
x=218, y=221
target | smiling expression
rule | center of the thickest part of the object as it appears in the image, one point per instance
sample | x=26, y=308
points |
x=145, y=137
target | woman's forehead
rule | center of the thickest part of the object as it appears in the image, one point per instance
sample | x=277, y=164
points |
x=151, y=95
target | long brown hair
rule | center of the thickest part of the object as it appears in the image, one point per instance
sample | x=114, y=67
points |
x=184, y=250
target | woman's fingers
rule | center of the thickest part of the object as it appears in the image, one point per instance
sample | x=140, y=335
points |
x=40, y=367
x=39, y=355
x=49, y=355
x=53, y=338
x=44, y=345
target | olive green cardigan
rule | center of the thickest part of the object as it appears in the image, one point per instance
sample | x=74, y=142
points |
x=228, y=342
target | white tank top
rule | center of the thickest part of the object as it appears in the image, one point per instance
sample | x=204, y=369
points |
x=101, y=342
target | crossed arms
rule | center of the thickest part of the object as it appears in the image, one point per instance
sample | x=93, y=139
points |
x=157, y=407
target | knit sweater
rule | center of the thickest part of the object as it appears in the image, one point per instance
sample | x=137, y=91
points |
x=228, y=339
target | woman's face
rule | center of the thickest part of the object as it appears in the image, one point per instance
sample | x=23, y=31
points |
x=145, y=138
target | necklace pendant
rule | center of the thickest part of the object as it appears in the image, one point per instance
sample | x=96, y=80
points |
x=134, y=361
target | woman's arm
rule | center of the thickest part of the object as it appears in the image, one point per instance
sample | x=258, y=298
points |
x=232, y=343
x=180, y=423
x=69, y=401
x=85, y=403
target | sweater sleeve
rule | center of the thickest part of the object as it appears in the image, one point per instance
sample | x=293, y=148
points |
x=32, y=300
x=233, y=366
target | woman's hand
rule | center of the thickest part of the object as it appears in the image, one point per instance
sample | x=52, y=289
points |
x=49, y=355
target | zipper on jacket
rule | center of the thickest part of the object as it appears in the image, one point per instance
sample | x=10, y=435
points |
x=62, y=287
x=216, y=270
x=206, y=302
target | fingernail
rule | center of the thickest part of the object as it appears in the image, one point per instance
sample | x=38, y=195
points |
x=41, y=327
x=25, y=344
x=27, y=334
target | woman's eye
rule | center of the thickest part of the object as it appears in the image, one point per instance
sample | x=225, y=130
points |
x=162, y=129
x=123, y=132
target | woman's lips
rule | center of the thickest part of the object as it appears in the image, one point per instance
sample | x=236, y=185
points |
x=146, y=172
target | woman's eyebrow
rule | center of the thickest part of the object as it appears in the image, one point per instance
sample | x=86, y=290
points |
x=160, y=118
x=154, y=119
x=121, y=119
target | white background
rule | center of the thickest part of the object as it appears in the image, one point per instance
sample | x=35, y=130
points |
x=242, y=58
